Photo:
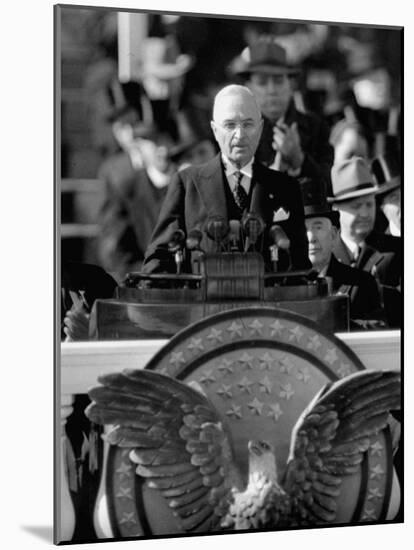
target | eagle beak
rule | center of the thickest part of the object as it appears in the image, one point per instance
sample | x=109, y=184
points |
x=254, y=447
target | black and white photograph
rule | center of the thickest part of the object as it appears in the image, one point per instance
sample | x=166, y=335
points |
x=229, y=268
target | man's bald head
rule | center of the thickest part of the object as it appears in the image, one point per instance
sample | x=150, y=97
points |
x=237, y=123
x=234, y=91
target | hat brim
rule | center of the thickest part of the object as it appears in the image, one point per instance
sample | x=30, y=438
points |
x=266, y=68
x=384, y=188
x=353, y=195
x=332, y=215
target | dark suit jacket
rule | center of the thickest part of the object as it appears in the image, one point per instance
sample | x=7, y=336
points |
x=314, y=138
x=382, y=251
x=361, y=287
x=199, y=192
x=385, y=265
x=128, y=216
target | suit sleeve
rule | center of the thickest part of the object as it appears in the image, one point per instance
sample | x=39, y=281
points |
x=171, y=218
x=117, y=246
x=318, y=162
x=295, y=227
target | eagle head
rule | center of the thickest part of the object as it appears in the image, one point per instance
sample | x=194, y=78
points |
x=262, y=460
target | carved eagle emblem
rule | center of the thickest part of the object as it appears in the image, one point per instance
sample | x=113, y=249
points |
x=182, y=446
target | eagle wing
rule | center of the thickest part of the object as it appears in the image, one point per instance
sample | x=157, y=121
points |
x=330, y=438
x=176, y=438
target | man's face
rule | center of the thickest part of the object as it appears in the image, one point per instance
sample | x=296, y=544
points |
x=321, y=238
x=391, y=206
x=237, y=127
x=273, y=93
x=357, y=217
x=156, y=153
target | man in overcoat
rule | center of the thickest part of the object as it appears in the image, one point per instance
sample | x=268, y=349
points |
x=230, y=186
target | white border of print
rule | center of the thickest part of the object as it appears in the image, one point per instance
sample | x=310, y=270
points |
x=27, y=271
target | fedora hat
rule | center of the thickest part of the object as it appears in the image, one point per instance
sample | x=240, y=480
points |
x=315, y=203
x=266, y=56
x=387, y=173
x=351, y=178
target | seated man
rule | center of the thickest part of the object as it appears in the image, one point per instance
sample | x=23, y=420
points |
x=322, y=226
x=360, y=245
x=229, y=186
x=354, y=194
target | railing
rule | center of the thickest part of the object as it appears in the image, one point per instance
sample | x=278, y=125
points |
x=83, y=362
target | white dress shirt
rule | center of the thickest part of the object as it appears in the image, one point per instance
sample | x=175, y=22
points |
x=231, y=174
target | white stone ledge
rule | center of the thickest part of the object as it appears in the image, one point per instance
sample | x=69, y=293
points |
x=83, y=362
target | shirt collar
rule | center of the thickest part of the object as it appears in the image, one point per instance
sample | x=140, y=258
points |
x=230, y=169
x=353, y=247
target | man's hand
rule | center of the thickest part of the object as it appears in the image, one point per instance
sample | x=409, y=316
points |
x=286, y=140
x=76, y=324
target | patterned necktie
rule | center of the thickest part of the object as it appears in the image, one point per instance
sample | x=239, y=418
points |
x=239, y=193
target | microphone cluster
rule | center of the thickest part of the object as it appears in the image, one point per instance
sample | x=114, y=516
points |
x=233, y=236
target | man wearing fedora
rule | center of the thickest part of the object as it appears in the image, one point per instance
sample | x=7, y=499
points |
x=135, y=183
x=231, y=185
x=292, y=141
x=322, y=229
x=387, y=174
x=359, y=245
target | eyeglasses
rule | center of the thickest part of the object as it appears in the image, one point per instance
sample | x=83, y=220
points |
x=245, y=125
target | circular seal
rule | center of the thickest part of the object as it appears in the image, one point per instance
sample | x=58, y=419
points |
x=260, y=367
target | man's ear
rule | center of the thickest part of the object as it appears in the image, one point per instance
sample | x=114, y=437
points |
x=335, y=232
x=213, y=128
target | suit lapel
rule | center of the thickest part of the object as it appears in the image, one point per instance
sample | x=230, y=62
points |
x=263, y=200
x=341, y=253
x=210, y=186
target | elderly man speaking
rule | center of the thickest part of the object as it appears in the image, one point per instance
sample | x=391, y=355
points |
x=230, y=186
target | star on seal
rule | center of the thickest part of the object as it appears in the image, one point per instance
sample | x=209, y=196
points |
x=234, y=411
x=226, y=366
x=207, y=378
x=124, y=470
x=287, y=391
x=215, y=335
x=177, y=358
x=247, y=360
x=331, y=356
x=296, y=333
x=235, y=329
x=376, y=448
x=245, y=385
x=225, y=391
x=266, y=361
x=376, y=472
x=265, y=385
x=256, y=326
x=128, y=517
x=314, y=343
x=124, y=492
x=275, y=411
x=277, y=328
x=196, y=344
x=256, y=406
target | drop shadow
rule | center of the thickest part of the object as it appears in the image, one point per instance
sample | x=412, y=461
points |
x=42, y=532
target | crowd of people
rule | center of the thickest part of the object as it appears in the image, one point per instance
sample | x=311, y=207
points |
x=331, y=178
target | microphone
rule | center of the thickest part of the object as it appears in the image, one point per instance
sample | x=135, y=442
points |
x=176, y=246
x=234, y=236
x=193, y=244
x=194, y=239
x=253, y=227
x=217, y=230
x=280, y=240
